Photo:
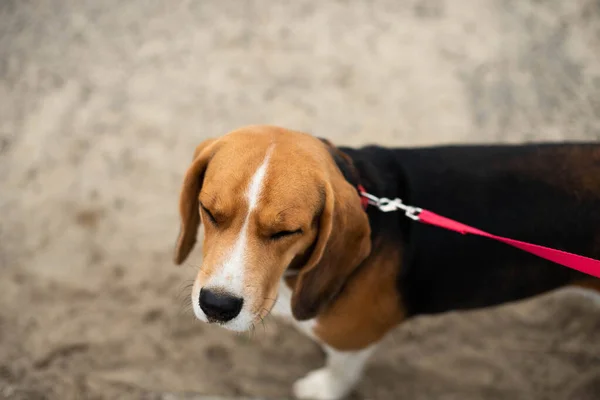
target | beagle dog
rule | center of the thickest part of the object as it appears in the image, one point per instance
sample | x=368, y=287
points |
x=285, y=231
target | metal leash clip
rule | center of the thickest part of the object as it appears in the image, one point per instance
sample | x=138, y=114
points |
x=386, y=205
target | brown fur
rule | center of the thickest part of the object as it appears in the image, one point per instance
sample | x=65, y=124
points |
x=188, y=201
x=577, y=170
x=369, y=306
x=342, y=244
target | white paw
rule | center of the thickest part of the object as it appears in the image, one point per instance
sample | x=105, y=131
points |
x=321, y=384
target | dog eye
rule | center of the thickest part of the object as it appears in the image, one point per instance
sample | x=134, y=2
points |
x=210, y=216
x=282, y=234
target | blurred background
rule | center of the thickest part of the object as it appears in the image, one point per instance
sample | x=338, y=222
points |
x=103, y=102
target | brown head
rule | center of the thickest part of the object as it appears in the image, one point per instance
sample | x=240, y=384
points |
x=268, y=198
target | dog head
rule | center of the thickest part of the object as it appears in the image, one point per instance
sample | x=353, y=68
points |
x=268, y=198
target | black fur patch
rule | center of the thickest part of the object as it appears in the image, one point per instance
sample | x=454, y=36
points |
x=505, y=190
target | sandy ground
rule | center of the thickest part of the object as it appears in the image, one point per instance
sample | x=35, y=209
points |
x=102, y=103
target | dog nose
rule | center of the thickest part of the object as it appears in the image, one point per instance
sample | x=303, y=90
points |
x=219, y=306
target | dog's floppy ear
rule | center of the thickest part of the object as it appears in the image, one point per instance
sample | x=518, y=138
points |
x=188, y=201
x=342, y=243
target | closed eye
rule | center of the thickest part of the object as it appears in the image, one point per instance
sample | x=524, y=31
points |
x=210, y=216
x=282, y=234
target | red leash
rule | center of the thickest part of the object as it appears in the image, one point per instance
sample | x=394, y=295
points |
x=580, y=263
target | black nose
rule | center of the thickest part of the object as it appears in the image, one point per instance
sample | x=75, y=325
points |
x=219, y=306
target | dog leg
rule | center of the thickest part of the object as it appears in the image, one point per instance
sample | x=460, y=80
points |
x=337, y=378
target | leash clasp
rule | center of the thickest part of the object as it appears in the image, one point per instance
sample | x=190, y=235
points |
x=386, y=205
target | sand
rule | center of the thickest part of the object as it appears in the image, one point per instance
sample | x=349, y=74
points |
x=102, y=103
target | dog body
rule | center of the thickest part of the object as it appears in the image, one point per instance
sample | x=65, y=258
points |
x=285, y=232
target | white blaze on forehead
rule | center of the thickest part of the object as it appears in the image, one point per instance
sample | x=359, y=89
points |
x=255, y=188
x=231, y=276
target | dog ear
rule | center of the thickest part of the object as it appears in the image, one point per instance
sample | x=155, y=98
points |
x=188, y=200
x=342, y=243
